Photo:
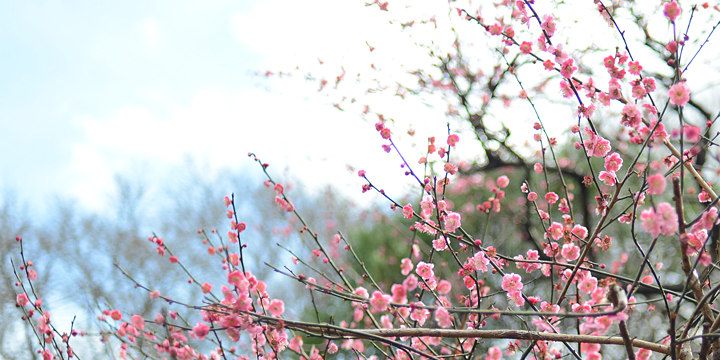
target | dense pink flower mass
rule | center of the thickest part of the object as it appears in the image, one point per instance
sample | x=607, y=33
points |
x=664, y=221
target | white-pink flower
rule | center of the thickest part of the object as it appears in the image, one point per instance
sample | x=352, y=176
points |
x=380, y=301
x=406, y=266
x=512, y=282
x=679, y=93
x=425, y=270
x=452, y=221
x=656, y=184
x=570, y=251
x=613, y=162
x=443, y=317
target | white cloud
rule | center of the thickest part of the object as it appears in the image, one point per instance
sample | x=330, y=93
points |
x=314, y=143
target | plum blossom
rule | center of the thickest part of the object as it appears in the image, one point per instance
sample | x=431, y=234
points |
x=588, y=285
x=613, y=162
x=570, y=251
x=276, y=307
x=406, y=266
x=201, y=330
x=656, y=184
x=408, y=211
x=503, y=181
x=608, y=178
x=425, y=270
x=549, y=25
x=512, y=282
x=555, y=231
x=664, y=221
x=452, y=221
x=679, y=93
x=443, y=317
x=671, y=10
x=380, y=301
x=479, y=262
x=419, y=314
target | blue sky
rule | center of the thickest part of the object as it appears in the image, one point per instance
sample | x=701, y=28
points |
x=94, y=89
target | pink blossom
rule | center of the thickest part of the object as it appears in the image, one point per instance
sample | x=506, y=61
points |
x=549, y=25
x=440, y=244
x=201, y=330
x=656, y=184
x=679, y=93
x=443, y=287
x=419, y=314
x=707, y=220
x=638, y=91
x=532, y=196
x=613, y=162
x=608, y=178
x=555, y=230
x=425, y=270
x=399, y=293
x=410, y=282
x=512, y=282
x=567, y=69
x=453, y=139
x=443, y=317
x=22, y=300
x=532, y=255
x=276, y=307
x=580, y=231
x=408, y=211
x=380, y=301
x=517, y=298
x=671, y=10
x=526, y=47
x=450, y=168
x=704, y=197
x=479, y=262
x=649, y=84
x=570, y=251
x=48, y=355
x=503, y=181
x=138, y=322
x=565, y=89
x=494, y=353
x=237, y=279
x=538, y=168
x=551, y=197
x=406, y=266
x=588, y=284
x=634, y=67
x=664, y=221
x=452, y=221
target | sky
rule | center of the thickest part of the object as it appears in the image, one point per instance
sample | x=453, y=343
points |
x=95, y=89
x=91, y=90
